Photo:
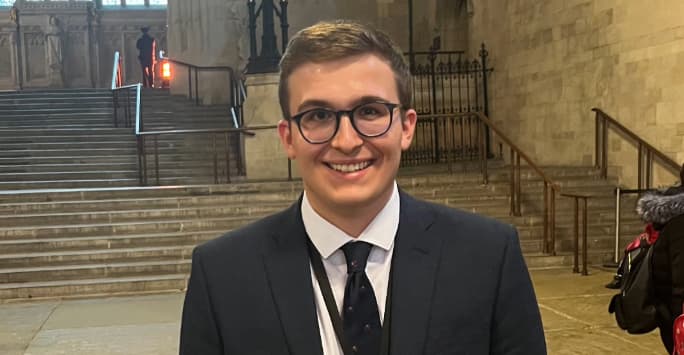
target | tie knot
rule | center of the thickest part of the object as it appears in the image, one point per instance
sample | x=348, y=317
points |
x=356, y=254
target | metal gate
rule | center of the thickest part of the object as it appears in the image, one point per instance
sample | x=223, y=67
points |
x=445, y=83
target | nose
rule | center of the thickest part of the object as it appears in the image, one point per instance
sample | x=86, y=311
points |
x=346, y=140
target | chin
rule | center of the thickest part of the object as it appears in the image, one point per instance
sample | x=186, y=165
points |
x=355, y=196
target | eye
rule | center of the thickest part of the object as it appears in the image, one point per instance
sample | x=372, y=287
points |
x=368, y=110
x=371, y=111
x=321, y=114
x=318, y=116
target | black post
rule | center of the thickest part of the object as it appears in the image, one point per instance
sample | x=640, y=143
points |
x=412, y=59
x=432, y=57
x=268, y=59
x=252, y=30
x=14, y=15
x=284, y=25
x=485, y=95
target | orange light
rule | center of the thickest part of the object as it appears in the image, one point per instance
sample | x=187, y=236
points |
x=166, y=70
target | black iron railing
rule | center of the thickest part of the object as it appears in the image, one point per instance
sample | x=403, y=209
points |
x=126, y=99
x=221, y=146
x=445, y=82
x=236, y=87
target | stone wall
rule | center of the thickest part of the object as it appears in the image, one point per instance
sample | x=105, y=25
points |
x=555, y=60
x=70, y=44
x=215, y=32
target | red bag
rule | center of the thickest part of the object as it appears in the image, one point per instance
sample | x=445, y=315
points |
x=678, y=335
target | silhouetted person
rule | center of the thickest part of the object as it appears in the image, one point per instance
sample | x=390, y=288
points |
x=665, y=209
x=146, y=46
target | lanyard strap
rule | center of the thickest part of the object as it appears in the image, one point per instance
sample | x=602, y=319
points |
x=331, y=306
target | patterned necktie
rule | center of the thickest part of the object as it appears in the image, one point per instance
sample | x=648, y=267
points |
x=360, y=315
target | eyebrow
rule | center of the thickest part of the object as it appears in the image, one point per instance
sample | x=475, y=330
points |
x=316, y=103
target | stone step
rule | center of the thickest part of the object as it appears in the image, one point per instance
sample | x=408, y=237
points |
x=74, y=167
x=25, y=246
x=124, y=228
x=102, y=193
x=56, y=107
x=68, y=159
x=158, y=214
x=94, y=270
x=85, y=257
x=90, y=183
x=42, y=145
x=67, y=175
x=93, y=287
x=68, y=151
x=127, y=204
x=113, y=136
x=72, y=131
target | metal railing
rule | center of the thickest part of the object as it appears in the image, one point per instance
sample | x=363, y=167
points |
x=647, y=154
x=445, y=82
x=577, y=198
x=228, y=136
x=475, y=138
x=118, y=89
x=238, y=92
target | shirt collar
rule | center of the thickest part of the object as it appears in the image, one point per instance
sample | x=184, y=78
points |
x=327, y=238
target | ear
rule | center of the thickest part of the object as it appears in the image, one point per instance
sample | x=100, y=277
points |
x=408, y=127
x=285, y=134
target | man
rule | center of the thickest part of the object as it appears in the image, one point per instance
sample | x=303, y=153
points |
x=146, y=46
x=357, y=266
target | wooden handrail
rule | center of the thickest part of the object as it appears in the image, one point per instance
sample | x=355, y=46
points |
x=194, y=66
x=669, y=162
x=576, y=198
x=550, y=187
x=646, y=151
x=522, y=154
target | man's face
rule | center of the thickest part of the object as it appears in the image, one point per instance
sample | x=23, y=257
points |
x=350, y=171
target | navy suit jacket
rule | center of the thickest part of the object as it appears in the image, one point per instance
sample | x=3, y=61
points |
x=460, y=287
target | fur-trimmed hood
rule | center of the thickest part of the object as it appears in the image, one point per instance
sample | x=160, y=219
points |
x=661, y=206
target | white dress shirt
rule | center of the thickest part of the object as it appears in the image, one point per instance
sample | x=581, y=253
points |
x=328, y=239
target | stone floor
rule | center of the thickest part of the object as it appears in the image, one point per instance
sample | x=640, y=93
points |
x=573, y=309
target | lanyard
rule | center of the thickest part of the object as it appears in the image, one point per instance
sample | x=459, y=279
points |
x=326, y=290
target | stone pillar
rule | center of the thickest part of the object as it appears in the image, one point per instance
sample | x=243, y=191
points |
x=264, y=156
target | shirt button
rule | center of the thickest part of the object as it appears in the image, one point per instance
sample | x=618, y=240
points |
x=367, y=328
x=355, y=348
x=350, y=308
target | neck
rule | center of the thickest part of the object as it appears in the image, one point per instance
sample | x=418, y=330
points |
x=351, y=219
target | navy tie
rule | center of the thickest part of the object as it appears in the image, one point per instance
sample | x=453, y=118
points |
x=360, y=315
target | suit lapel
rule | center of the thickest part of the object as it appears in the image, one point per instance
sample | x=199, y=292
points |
x=415, y=262
x=289, y=274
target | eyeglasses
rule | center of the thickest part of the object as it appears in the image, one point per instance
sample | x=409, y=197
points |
x=371, y=119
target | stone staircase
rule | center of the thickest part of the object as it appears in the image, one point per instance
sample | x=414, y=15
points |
x=63, y=138
x=189, y=158
x=67, y=139
x=67, y=243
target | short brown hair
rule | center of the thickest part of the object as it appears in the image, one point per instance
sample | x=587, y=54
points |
x=327, y=41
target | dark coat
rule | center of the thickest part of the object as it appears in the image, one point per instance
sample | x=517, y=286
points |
x=460, y=286
x=665, y=209
x=145, y=45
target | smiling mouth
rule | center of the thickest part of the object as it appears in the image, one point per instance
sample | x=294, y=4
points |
x=350, y=168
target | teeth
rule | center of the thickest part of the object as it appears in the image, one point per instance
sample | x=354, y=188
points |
x=349, y=168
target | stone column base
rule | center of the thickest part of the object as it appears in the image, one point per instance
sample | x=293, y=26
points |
x=265, y=158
